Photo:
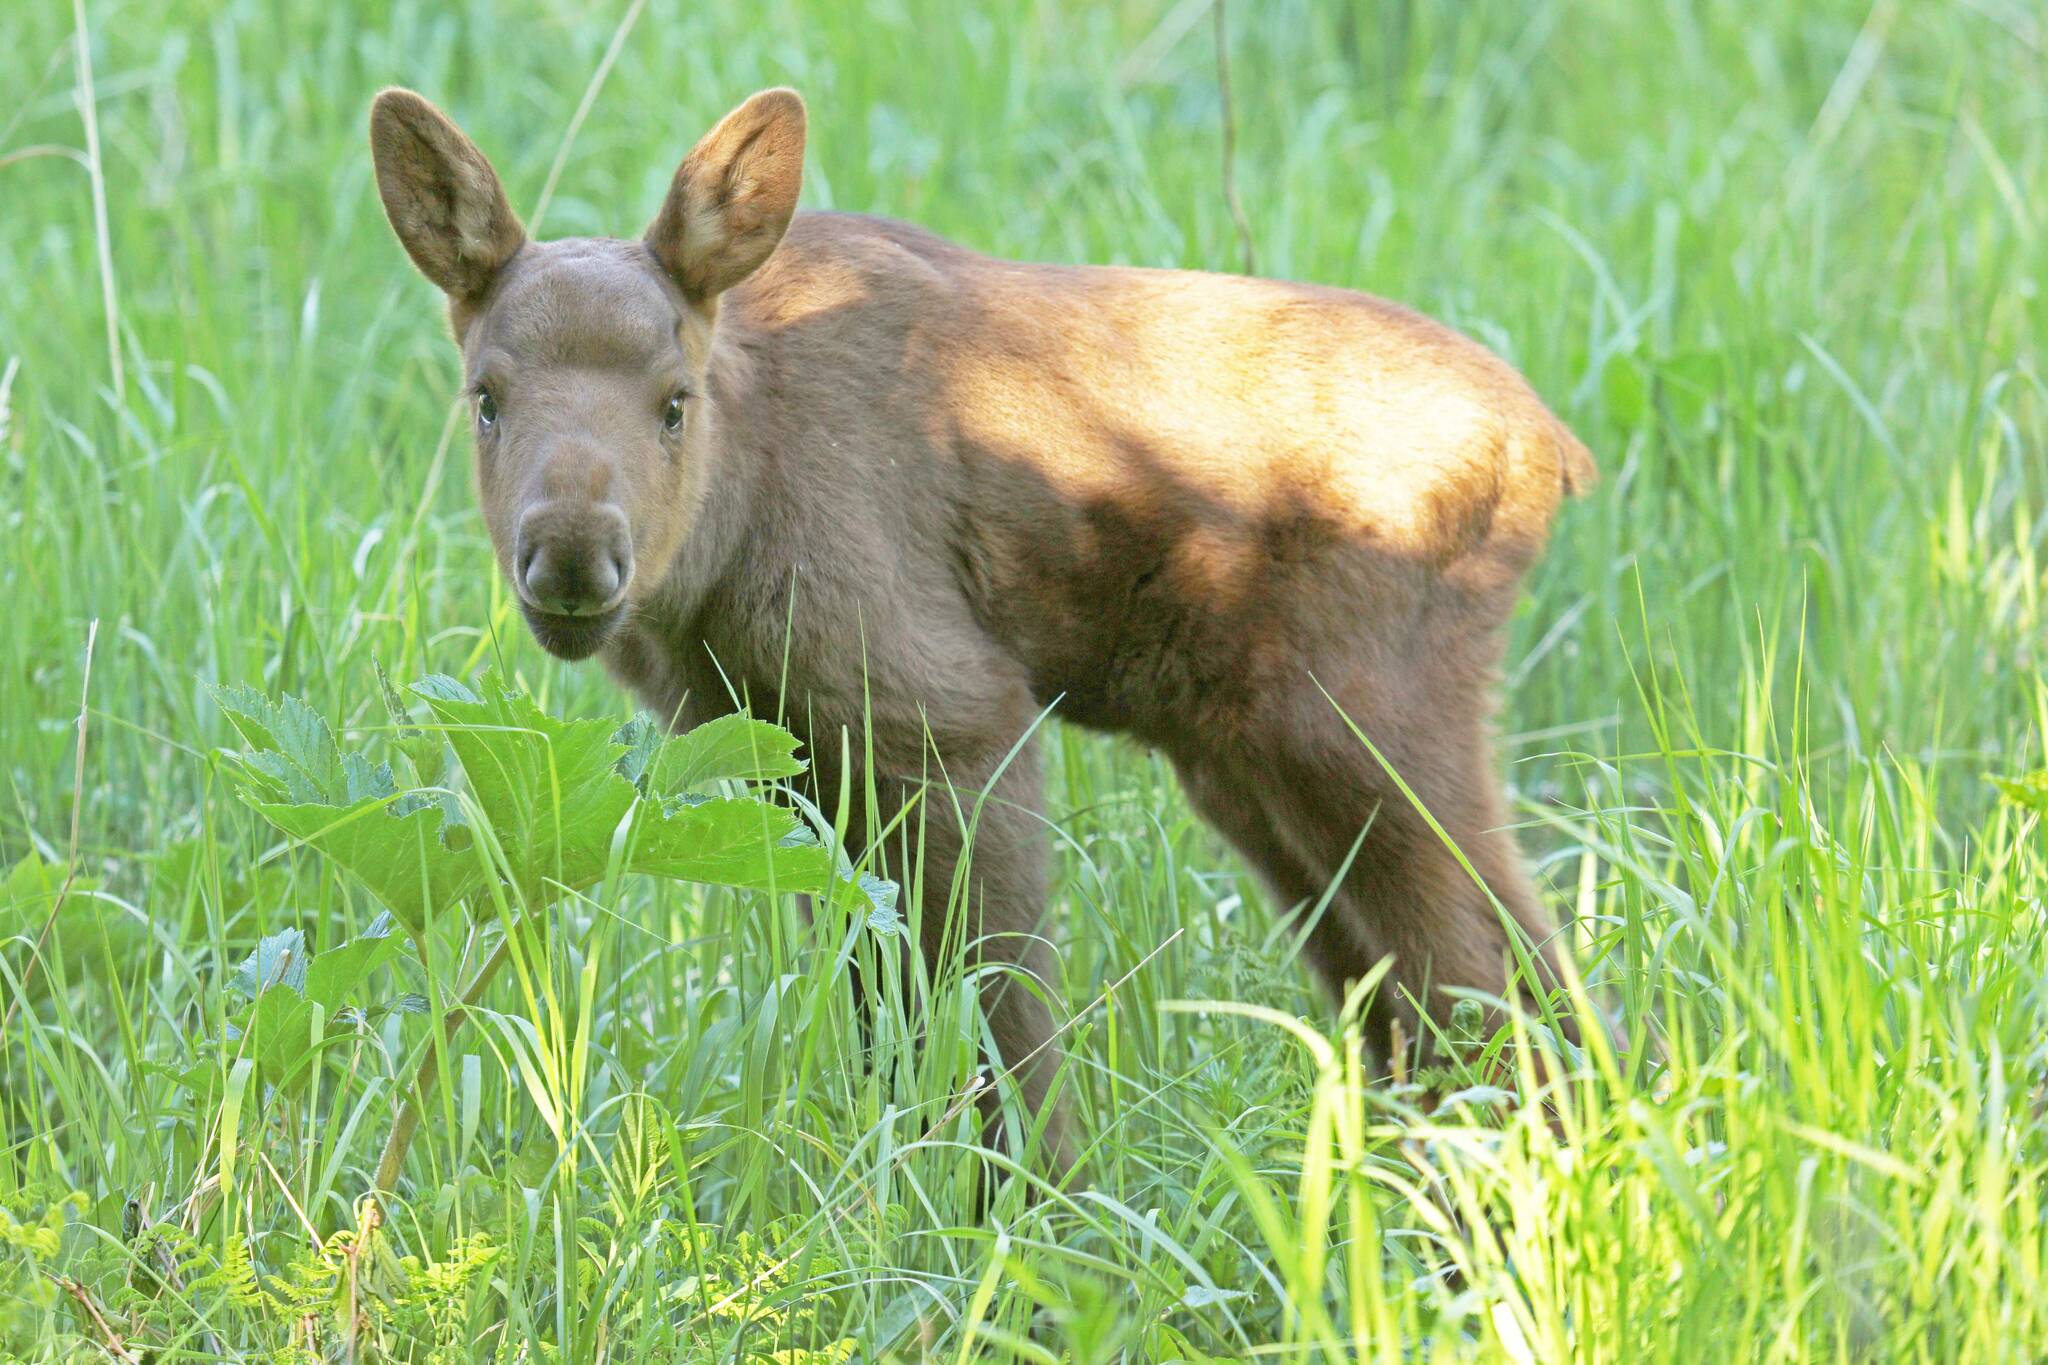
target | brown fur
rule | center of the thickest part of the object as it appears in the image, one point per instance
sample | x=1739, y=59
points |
x=925, y=493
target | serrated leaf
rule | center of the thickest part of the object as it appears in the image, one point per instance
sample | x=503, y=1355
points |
x=276, y=1031
x=444, y=687
x=278, y=959
x=361, y=780
x=550, y=788
x=332, y=975
x=557, y=794
x=731, y=748
x=201, y=1079
x=403, y=860
x=248, y=711
x=736, y=842
x=296, y=750
x=883, y=917
x=642, y=738
x=290, y=989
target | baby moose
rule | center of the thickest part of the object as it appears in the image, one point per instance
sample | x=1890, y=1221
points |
x=891, y=489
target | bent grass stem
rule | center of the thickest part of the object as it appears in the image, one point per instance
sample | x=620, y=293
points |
x=429, y=1073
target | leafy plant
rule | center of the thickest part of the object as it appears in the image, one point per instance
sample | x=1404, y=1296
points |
x=32, y=1224
x=350, y=1295
x=296, y=1001
x=563, y=802
x=529, y=808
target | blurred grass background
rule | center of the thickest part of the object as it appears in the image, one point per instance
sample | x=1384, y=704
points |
x=1779, y=266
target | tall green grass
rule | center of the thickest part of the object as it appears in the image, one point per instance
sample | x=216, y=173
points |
x=1781, y=266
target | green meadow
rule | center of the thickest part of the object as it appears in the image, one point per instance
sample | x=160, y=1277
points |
x=1773, y=718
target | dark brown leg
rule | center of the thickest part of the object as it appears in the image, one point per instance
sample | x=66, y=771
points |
x=1223, y=795
x=1408, y=893
x=1303, y=789
x=992, y=918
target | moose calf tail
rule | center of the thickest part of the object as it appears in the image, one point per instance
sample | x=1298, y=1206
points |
x=1573, y=459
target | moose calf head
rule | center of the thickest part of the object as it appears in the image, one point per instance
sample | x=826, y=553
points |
x=584, y=359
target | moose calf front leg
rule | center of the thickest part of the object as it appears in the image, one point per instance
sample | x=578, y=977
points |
x=983, y=850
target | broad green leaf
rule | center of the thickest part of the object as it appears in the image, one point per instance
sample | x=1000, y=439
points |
x=883, y=916
x=275, y=1032
x=404, y=860
x=249, y=712
x=731, y=748
x=201, y=1079
x=278, y=959
x=642, y=737
x=333, y=975
x=290, y=989
x=736, y=842
x=422, y=749
x=294, y=748
x=447, y=688
x=88, y=926
x=550, y=788
x=558, y=795
x=32, y=884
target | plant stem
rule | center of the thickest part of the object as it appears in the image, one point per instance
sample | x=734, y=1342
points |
x=1230, y=199
x=408, y=1120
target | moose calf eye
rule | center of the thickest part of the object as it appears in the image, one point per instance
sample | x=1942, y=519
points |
x=486, y=409
x=672, y=415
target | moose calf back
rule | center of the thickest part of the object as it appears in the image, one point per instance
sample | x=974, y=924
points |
x=1163, y=493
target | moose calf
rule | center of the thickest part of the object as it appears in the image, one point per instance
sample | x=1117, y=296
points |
x=883, y=484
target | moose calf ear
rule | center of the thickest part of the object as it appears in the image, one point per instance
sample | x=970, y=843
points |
x=443, y=198
x=733, y=196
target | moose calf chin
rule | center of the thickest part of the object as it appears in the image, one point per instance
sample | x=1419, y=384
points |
x=889, y=488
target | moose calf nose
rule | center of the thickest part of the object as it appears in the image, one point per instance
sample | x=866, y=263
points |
x=573, y=561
